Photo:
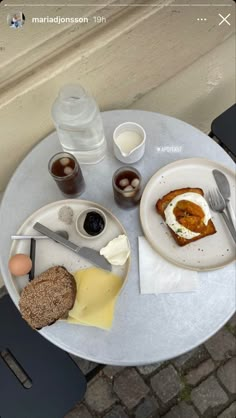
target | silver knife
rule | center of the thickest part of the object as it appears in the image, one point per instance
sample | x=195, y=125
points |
x=85, y=252
x=224, y=188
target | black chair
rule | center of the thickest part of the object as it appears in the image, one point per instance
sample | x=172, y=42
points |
x=223, y=130
x=44, y=382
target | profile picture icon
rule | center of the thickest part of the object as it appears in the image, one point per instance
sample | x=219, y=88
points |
x=16, y=20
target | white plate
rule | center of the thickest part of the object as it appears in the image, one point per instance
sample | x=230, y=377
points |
x=208, y=253
x=49, y=253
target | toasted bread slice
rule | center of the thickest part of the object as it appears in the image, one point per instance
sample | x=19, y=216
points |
x=188, y=214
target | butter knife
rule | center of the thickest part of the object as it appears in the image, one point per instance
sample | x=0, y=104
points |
x=224, y=188
x=85, y=252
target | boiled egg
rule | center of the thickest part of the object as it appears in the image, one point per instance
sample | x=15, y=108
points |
x=171, y=220
x=20, y=264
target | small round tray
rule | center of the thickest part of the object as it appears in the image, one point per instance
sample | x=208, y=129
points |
x=50, y=253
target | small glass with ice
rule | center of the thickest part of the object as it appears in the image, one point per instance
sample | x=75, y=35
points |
x=65, y=170
x=126, y=183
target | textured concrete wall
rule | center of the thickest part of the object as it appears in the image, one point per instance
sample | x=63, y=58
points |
x=151, y=58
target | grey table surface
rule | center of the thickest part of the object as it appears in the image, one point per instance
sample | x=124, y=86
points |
x=146, y=328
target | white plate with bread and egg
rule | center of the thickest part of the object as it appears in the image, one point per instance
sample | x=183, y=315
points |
x=64, y=273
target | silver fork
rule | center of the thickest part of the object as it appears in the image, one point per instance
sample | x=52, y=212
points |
x=217, y=204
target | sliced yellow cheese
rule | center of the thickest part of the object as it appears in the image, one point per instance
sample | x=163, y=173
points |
x=97, y=291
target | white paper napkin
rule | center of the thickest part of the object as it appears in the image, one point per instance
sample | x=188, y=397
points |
x=159, y=276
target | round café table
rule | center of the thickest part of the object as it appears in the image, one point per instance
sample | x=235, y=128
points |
x=146, y=328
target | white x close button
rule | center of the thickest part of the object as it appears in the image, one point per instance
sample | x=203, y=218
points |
x=224, y=19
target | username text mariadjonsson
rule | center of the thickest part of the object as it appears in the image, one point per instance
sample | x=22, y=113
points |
x=59, y=19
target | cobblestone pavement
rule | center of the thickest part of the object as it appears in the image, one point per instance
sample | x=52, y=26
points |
x=201, y=383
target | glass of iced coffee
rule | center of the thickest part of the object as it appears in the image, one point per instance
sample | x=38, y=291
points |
x=65, y=170
x=127, y=187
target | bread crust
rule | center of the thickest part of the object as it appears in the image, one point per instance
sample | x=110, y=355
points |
x=162, y=203
x=48, y=297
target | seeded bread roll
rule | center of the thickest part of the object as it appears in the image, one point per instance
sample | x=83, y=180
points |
x=48, y=297
x=190, y=217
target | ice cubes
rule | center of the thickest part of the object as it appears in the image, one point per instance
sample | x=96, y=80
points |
x=129, y=191
x=135, y=183
x=128, y=186
x=123, y=183
x=68, y=170
x=64, y=161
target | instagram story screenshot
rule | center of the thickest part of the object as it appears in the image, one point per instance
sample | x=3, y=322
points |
x=117, y=209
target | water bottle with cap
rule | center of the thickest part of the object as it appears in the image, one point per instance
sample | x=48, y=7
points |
x=79, y=124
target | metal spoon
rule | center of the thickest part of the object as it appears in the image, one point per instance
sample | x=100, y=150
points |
x=62, y=233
